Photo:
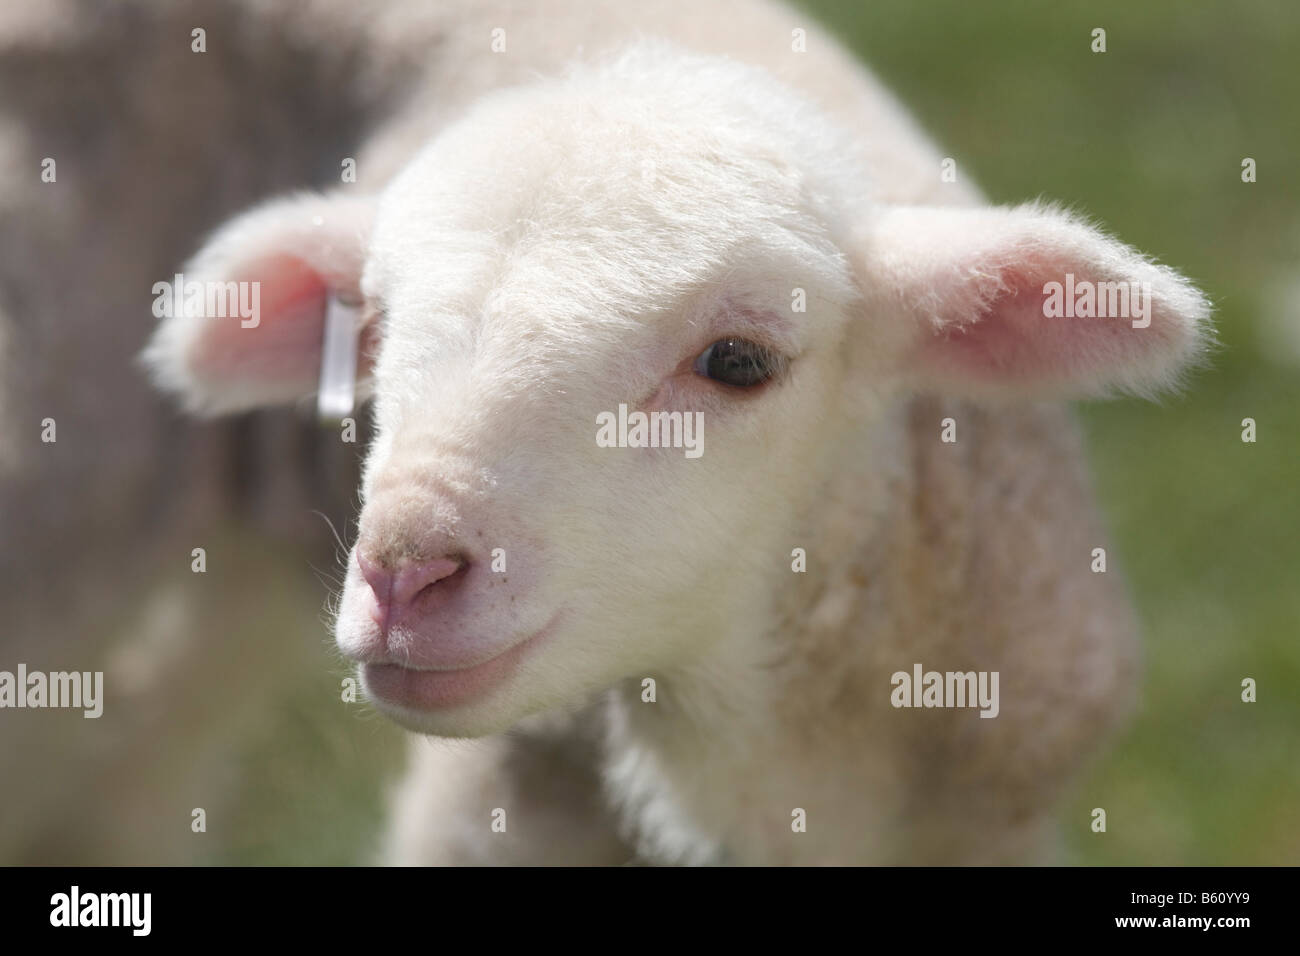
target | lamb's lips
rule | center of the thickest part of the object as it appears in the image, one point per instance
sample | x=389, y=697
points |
x=418, y=689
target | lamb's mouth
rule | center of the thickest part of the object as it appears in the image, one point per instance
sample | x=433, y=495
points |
x=408, y=688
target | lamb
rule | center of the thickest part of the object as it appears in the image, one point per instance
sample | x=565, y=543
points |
x=627, y=653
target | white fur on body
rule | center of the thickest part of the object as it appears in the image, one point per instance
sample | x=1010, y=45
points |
x=560, y=248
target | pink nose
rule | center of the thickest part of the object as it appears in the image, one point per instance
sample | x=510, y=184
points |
x=395, y=590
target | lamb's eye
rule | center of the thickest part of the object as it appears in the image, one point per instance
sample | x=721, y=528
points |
x=738, y=362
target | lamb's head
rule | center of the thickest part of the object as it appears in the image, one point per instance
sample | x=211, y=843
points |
x=664, y=234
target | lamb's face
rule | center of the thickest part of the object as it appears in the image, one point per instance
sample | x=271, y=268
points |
x=542, y=274
x=669, y=234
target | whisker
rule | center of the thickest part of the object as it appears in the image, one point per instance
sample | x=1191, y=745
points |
x=341, y=554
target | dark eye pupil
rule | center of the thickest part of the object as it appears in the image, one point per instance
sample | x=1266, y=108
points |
x=738, y=362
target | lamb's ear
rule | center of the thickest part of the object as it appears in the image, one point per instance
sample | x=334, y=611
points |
x=271, y=270
x=1008, y=301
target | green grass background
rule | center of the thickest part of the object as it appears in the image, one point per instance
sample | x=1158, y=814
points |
x=1148, y=138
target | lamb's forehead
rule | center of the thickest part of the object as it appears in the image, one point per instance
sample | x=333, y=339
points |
x=604, y=189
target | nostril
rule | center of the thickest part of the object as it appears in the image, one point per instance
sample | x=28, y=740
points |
x=396, y=589
x=413, y=579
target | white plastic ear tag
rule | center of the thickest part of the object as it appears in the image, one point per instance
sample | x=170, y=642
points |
x=338, y=360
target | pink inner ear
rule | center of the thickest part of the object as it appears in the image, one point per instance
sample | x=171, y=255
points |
x=284, y=346
x=1010, y=341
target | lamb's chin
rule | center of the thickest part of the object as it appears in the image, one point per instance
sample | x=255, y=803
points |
x=483, y=716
